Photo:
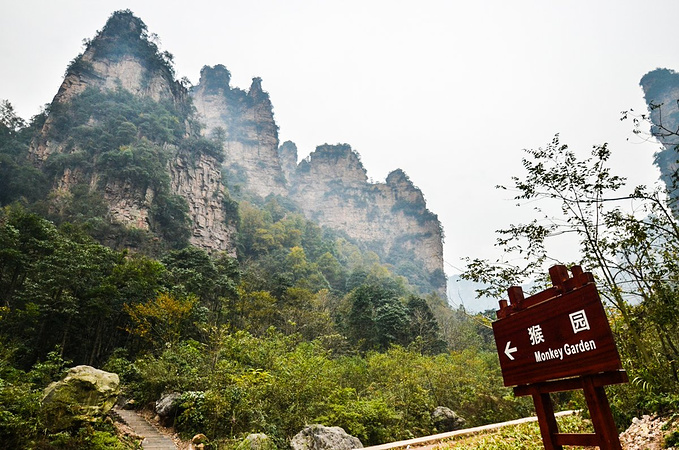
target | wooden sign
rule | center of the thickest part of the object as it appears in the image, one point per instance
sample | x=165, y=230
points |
x=559, y=340
x=562, y=332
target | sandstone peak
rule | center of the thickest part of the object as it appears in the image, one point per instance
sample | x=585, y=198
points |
x=256, y=92
x=126, y=36
x=122, y=55
x=245, y=124
x=215, y=78
x=120, y=86
x=398, y=176
x=404, y=188
x=661, y=90
x=123, y=24
x=398, y=179
x=331, y=185
x=338, y=162
x=287, y=154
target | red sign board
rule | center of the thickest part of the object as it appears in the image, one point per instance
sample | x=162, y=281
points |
x=567, y=335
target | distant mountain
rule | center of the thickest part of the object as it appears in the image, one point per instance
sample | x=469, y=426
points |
x=463, y=293
x=168, y=162
x=661, y=91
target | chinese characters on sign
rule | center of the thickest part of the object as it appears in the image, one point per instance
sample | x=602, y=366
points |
x=579, y=321
x=535, y=334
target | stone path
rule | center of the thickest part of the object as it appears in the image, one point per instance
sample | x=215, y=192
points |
x=152, y=438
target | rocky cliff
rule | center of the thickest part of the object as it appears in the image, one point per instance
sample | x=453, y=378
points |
x=330, y=186
x=200, y=183
x=661, y=91
x=122, y=125
x=244, y=123
x=391, y=218
x=119, y=57
x=158, y=154
x=287, y=154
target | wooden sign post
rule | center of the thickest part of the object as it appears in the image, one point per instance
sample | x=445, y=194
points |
x=560, y=340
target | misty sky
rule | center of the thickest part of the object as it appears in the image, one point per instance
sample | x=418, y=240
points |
x=448, y=91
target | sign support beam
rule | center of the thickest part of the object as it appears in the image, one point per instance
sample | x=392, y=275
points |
x=606, y=434
x=602, y=417
x=548, y=426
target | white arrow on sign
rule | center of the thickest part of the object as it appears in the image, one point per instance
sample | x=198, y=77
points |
x=509, y=350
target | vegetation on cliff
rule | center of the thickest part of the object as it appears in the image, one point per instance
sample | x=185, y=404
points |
x=125, y=35
x=19, y=179
x=390, y=219
x=239, y=121
x=118, y=139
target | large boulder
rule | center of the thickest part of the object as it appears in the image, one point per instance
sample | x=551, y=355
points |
x=256, y=441
x=445, y=419
x=84, y=394
x=167, y=405
x=319, y=437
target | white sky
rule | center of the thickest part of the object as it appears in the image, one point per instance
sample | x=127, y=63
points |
x=449, y=91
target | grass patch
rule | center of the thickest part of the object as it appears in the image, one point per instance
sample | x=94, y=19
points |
x=518, y=437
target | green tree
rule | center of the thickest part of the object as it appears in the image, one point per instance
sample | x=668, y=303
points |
x=9, y=119
x=423, y=325
x=581, y=190
x=305, y=312
x=213, y=279
x=162, y=321
x=19, y=180
x=56, y=287
x=332, y=271
x=377, y=318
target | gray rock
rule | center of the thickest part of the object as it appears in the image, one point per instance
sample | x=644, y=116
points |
x=166, y=406
x=84, y=394
x=256, y=441
x=127, y=403
x=445, y=419
x=319, y=437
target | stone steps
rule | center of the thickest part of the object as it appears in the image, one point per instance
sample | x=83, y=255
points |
x=153, y=439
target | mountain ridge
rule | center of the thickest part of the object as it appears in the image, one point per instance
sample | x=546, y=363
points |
x=213, y=141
